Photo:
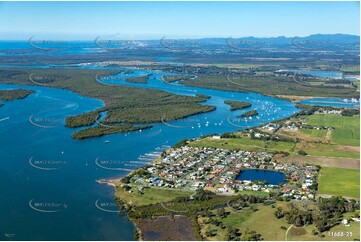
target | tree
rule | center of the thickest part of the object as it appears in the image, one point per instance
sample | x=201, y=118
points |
x=302, y=152
x=279, y=213
x=220, y=212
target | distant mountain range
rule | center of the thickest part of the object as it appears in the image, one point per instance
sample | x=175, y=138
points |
x=330, y=38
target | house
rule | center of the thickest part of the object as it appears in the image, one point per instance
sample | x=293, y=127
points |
x=257, y=135
x=255, y=187
x=222, y=190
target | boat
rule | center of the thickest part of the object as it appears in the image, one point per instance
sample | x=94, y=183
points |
x=3, y=119
x=107, y=141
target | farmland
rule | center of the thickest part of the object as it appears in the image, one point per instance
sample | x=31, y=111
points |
x=340, y=182
x=347, y=129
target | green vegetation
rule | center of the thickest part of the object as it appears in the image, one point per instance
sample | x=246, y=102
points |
x=141, y=79
x=315, y=132
x=347, y=129
x=10, y=95
x=351, y=69
x=235, y=105
x=249, y=113
x=272, y=85
x=149, y=196
x=340, y=182
x=104, y=130
x=123, y=105
x=85, y=119
x=244, y=143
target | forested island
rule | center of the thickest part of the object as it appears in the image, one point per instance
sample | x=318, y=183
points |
x=249, y=114
x=10, y=95
x=236, y=105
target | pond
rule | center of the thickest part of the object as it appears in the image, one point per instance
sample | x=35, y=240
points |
x=272, y=177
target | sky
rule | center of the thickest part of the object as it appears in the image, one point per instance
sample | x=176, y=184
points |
x=151, y=20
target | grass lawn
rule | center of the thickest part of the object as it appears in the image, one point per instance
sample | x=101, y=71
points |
x=150, y=196
x=339, y=181
x=347, y=129
x=255, y=193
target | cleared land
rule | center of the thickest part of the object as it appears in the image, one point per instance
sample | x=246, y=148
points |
x=243, y=143
x=149, y=196
x=347, y=129
x=339, y=181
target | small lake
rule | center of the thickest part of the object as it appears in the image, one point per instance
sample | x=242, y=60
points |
x=322, y=74
x=272, y=177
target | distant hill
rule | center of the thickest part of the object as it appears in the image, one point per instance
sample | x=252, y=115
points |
x=330, y=38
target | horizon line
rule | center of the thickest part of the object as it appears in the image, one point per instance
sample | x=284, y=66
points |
x=164, y=36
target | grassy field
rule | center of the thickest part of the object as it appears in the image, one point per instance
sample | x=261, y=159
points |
x=247, y=144
x=314, y=132
x=150, y=196
x=243, y=143
x=339, y=181
x=347, y=129
x=329, y=150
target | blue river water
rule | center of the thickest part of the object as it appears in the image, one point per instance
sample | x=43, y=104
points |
x=272, y=177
